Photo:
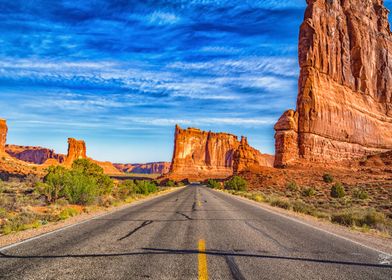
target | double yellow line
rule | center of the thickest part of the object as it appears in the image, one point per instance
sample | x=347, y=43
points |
x=203, y=272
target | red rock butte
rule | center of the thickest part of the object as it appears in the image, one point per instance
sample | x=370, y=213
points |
x=200, y=155
x=3, y=134
x=344, y=105
x=76, y=150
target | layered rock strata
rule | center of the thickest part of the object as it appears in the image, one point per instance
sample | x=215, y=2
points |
x=344, y=105
x=37, y=155
x=199, y=154
x=144, y=168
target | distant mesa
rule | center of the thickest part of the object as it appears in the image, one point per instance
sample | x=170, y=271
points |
x=199, y=154
x=24, y=160
x=144, y=168
x=344, y=105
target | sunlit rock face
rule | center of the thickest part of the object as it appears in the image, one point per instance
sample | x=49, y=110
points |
x=76, y=150
x=200, y=154
x=37, y=155
x=344, y=105
x=3, y=134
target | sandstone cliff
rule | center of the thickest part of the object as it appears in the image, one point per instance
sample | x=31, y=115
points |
x=344, y=105
x=76, y=150
x=3, y=135
x=37, y=155
x=144, y=168
x=199, y=154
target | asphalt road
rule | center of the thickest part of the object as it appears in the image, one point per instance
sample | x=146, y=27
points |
x=193, y=233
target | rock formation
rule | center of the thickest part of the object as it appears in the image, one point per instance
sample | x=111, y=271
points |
x=199, y=154
x=248, y=158
x=3, y=135
x=344, y=105
x=76, y=150
x=37, y=155
x=144, y=168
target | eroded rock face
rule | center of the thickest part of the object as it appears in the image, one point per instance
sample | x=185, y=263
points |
x=344, y=105
x=248, y=158
x=3, y=134
x=37, y=155
x=76, y=150
x=144, y=168
x=199, y=154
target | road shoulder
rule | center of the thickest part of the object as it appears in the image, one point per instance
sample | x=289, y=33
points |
x=24, y=236
x=374, y=242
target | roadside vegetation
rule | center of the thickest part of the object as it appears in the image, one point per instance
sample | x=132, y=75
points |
x=65, y=193
x=335, y=202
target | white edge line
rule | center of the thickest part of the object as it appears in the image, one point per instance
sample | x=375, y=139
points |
x=83, y=222
x=254, y=203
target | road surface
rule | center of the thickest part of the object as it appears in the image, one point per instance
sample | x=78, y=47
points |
x=192, y=233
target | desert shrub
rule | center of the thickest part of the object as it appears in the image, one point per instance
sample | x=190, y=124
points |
x=360, y=194
x=125, y=189
x=54, y=183
x=213, y=184
x=292, y=186
x=301, y=207
x=81, y=188
x=170, y=183
x=337, y=191
x=22, y=221
x=308, y=192
x=236, y=183
x=180, y=184
x=145, y=187
x=280, y=203
x=363, y=218
x=258, y=197
x=88, y=168
x=346, y=218
x=67, y=213
x=328, y=178
x=3, y=213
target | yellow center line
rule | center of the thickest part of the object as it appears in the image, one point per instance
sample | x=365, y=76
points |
x=198, y=203
x=203, y=272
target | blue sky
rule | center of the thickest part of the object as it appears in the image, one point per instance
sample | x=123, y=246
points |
x=120, y=74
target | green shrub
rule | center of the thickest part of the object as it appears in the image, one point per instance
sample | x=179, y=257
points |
x=337, y=191
x=280, y=203
x=145, y=187
x=292, y=186
x=67, y=213
x=170, y=183
x=125, y=189
x=213, y=184
x=362, y=218
x=81, y=188
x=328, y=178
x=54, y=183
x=360, y=194
x=308, y=192
x=237, y=184
x=301, y=207
x=258, y=197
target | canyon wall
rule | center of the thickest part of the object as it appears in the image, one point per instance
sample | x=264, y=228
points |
x=144, y=168
x=3, y=134
x=200, y=155
x=37, y=155
x=344, y=105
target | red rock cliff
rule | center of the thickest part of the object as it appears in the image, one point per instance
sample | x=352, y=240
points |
x=199, y=154
x=344, y=105
x=76, y=150
x=3, y=134
x=37, y=155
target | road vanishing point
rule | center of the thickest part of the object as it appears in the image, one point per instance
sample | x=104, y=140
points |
x=192, y=233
